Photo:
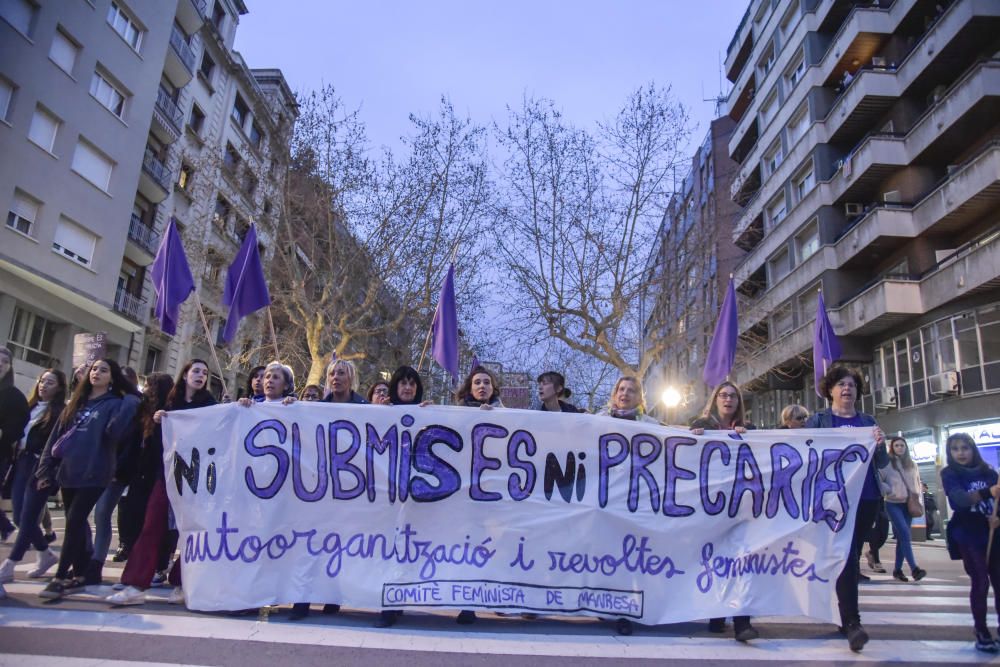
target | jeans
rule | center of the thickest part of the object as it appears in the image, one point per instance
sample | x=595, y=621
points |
x=980, y=576
x=900, y=518
x=24, y=472
x=32, y=504
x=102, y=519
x=75, y=552
x=847, y=582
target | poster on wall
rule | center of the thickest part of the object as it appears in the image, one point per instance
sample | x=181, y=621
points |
x=89, y=347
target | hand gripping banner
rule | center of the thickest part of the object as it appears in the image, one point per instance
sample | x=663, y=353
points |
x=378, y=507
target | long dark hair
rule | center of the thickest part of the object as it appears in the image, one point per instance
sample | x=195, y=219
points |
x=253, y=374
x=405, y=373
x=120, y=387
x=466, y=389
x=977, y=458
x=178, y=395
x=711, y=410
x=56, y=403
x=154, y=397
x=8, y=379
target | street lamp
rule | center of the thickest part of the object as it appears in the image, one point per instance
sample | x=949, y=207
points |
x=671, y=397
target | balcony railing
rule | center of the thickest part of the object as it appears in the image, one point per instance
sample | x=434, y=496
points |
x=156, y=169
x=182, y=49
x=199, y=5
x=169, y=109
x=129, y=305
x=143, y=235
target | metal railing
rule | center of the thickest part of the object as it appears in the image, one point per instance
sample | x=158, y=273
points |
x=182, y=49
x=142, y=234
x=156, y=169
x=169, y=109
x=129, y=304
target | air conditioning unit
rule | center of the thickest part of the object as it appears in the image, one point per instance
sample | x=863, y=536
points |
x=852, y=209
x=879, y=61
x=892, y=197
x=885, y=398
x=944, y=384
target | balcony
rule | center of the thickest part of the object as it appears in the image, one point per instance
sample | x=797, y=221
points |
x=179, y=65
x=130, y=305
x=168, y=121
x=191, y=15
x=154, y=179
x=143, y=236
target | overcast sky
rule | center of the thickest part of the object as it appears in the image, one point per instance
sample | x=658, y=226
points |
x=394, y=58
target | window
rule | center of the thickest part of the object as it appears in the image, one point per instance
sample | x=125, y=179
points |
x=778, y=267
x=152, y=360
x=767, y=61
x=92, y=165
x=218, y=16
x=206, y=68
x=231, y=159
x=74, y=242
x=256, y=136
x=767, y=111
x=803, y=182
x=23, y=212
x=782, y=321
x=20, y=14
x=125, y=26
x=773, y=158
x=797, y=126
x=31, y=337
x=249, y=184
x=807, y=241
x=6, y=97
x=796, y=70
x=63, y=52
x=240, y=110
x=808, y=301
x=775, y=212
x=43, y=130
x=108, y=94
x=222, y=210
x=184, y=178
x=197, y=119
x=788, y=21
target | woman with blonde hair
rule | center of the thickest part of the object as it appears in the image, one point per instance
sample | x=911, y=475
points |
x=342, y=383
x=627, y=401
x=794, y=416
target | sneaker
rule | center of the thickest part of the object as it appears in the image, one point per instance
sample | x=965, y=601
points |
x=75, y=585
x=118, y=587
x=918, y=573
x=130, y=595
x=121, y=555
x=984, y=642
x=176, y=596
x=898, y=574
x=717, y=625
x=856, y=636
x=7, y=571
x=54, y=590
x=46, y=559
x=159, y=579
x=466, y=617
x=746, y=633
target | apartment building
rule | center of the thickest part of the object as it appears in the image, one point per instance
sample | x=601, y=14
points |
x=868, y=139
x=103, y=122
x=688, y=273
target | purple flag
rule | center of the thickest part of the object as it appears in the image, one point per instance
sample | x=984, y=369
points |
x=172, y=280
x=445, y=327
x=246, y=288
x=722, y=354
x=826, y=347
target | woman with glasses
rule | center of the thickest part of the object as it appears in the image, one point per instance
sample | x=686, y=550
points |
x=378, y=393
x=794, y=416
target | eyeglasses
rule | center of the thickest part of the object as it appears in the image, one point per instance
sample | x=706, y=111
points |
x=800, y=418
x=381, y=391
x=724, y=395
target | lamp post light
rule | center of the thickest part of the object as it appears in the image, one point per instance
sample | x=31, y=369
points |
x=671, y=398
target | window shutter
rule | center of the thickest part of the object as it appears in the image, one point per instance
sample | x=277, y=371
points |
x=93, y=166
x=24, y=208
x=43, y=129
x=76, y=239
x=63, y=52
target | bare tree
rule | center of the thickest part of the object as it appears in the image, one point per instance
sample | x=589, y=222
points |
x=365, y=243
x=578, y=219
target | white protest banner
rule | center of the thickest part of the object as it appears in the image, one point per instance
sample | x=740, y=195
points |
x=379, y=507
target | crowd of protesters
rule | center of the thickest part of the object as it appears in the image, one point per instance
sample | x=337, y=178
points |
x=95, y=441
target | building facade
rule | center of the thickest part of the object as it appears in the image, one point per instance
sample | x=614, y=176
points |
x=687, y=275
x=116, y=116
x=868, y=139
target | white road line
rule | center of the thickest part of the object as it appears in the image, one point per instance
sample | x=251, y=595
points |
x=913, y=601
x=602, y=644
x=20, y=660
x=958, y=589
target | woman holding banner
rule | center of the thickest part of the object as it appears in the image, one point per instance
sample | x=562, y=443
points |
x=842, y=386
x=80, y=457
x=551, y=390
x=342, y=383
x=724, y=411
x=188, y=392
x=255, y=384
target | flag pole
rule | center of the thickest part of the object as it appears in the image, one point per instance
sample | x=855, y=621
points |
x=274, y=337
x=211, y=344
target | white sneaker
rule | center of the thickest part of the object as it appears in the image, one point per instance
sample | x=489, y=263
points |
x=128, y=596
x=7, y=571
x=46, y=559
x=176, y=596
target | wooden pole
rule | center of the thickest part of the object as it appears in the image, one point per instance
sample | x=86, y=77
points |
x=274, y=337
x=211, y=343
x=427, y=340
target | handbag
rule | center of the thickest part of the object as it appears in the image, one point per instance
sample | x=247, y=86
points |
x=913, y=505
x=59, y=446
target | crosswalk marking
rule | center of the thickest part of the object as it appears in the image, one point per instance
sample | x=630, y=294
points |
x=21, y=660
